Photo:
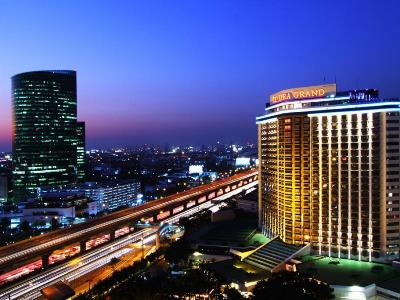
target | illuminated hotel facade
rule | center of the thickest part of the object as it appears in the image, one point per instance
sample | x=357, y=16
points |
x=329, y=171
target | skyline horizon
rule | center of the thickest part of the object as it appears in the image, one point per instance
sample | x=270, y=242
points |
x=6, y=146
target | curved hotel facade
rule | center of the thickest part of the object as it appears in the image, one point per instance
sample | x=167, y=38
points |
x=329, y=171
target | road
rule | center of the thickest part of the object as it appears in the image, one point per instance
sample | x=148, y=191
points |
x=57, y=256
x=96, y=258
x=84, y=283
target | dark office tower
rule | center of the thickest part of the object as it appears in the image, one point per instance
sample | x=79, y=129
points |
x=44, y=130
x=80, y=150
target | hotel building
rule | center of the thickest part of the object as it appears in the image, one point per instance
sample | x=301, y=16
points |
x=329, y=171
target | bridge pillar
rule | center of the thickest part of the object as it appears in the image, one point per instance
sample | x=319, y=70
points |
x=112, y=235
x=45, y=260
x=212, y=195
x=157, y=240
x=82, y=246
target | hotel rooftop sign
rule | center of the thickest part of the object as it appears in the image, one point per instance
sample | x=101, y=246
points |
x=309, y=92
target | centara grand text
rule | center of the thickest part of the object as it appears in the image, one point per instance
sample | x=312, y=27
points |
x=299, y=94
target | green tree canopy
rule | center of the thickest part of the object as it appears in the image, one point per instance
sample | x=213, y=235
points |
x=54, y=224
x=24, y=226
x=292, y=285
x=233, y=294
x=178, y=251
x=5, y=223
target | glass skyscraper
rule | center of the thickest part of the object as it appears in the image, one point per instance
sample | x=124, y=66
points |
x=329, y=171
x=45, y=131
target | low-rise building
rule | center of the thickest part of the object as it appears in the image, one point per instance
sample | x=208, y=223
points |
x=46, y=214
x=108, y=195
x=248, y=202
x=63, y=207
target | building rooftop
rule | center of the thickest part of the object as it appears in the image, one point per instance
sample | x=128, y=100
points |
x=351, y=272
x=107, y=184
x=87, y=185
x=58, y=291
x=316, y=99
x=55, y=200
x=29, y=73
x=237, y=271
x=230, y=233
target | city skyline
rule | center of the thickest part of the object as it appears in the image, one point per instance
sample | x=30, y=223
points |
x=228, y=149
x=193, y=73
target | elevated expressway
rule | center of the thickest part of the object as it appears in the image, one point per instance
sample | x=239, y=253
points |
x=23, y=252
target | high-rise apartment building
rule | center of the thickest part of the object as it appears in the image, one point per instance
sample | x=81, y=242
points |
x=329, y=171
x=44, y=130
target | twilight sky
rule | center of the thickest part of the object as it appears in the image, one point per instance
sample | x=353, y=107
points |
x=194, y=71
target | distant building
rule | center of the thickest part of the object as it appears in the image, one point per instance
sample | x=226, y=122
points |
x=196, y=169
x=242, y=162
x=45, y=145
x=3, y=189
x=106, y=170
x=248, y=202
x=46, y=214
x=57, y=206
x=329, y=171
x=107, y=195
x=80, y=150
x=113, y=194
x=212, y=175
x=248, y=205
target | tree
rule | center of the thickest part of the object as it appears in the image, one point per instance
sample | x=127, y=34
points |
x=233, y=294
x=24, y=226
x=113, y=262
x=292, y=285
x=54, y=224
x=39, y=223
x=178, y=251
x=5, y=223
x=194, y=282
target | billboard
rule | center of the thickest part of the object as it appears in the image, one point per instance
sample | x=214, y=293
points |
x=196, y=169
x=242, y=162
x=309, y=92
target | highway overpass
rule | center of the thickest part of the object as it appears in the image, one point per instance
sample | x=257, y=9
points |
x=26, y=251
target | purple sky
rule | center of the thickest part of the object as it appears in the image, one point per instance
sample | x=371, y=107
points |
x=194, y=71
